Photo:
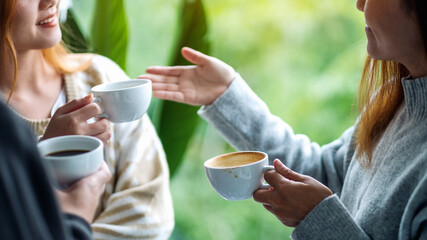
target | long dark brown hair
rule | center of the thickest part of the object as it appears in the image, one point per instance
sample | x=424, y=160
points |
x=381, y=92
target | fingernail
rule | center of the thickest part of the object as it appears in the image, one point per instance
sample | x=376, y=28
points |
x=278, y=161
x=280, y=164
x=88, y=96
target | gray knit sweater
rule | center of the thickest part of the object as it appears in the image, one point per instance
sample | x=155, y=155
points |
x=386, y=201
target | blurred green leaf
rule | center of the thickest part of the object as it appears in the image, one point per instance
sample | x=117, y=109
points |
x=177, y=122
x=72, y=36
x=109, y=33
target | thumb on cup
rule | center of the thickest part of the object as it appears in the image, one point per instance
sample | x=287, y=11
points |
x=287, y=172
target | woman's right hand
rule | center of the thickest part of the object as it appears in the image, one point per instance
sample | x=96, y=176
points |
x=201, y=84
x=71, y=119
x=82, y=197
x=291, y=195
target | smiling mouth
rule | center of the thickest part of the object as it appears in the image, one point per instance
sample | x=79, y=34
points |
x=46, y=21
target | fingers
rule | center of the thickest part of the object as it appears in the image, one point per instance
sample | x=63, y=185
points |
x=96, y=180
x=82, y=197
x=275, y=179
x=81, y=108
x=104, y=137
x=100, y=126
x=101, y=130
x=104, y=173
x=174, y=71
x=165, y=87
x=286, y=172
x=87, y=112
x=154, y=78
x=101, y=176
x=263, y=196
x=194, y=56
x=282, y=175
x=166, y=71
x=169, y=95
x=74, y=105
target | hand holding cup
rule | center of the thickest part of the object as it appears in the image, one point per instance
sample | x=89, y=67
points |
x=292, y=195
x=82, y=198
x=72, y=119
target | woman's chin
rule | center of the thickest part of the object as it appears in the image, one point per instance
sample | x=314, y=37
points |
x=52, y=42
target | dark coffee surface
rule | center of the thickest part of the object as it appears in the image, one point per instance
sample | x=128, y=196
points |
x=67, y=153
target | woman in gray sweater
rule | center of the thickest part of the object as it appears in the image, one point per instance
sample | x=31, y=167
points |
x=371, y=183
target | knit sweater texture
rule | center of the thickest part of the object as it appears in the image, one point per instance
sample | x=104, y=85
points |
x=385, y=201
x=136, y=203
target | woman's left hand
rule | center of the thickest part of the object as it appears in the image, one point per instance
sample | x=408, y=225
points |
x=292, y=195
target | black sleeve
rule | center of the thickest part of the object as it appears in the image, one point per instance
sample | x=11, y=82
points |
x=28, y=206
x=80, y=229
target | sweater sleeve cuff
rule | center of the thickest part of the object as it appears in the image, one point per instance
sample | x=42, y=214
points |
x=330, y=219
x=80, y=229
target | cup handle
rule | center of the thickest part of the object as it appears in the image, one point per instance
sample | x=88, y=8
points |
x=98, y=100
x=265, y=169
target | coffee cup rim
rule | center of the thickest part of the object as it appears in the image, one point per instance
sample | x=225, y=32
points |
x=142, y=82
x=100, y=144
x=235, y=153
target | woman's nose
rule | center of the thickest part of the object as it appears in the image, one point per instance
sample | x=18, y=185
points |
x=360, y=4
x=45, y=4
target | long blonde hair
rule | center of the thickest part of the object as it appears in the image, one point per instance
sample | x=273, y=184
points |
x=58, y=56
x=380, y=94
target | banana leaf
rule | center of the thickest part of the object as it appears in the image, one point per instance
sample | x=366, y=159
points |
x=109, y=32
x=178, y=122
x=72, y=36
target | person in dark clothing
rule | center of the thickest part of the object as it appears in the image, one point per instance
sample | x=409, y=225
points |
x=28, y=205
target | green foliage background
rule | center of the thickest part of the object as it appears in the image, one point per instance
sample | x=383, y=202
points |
x=303, y=58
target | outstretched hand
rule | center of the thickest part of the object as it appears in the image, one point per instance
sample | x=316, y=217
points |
x=292, y=195
x=200, y=84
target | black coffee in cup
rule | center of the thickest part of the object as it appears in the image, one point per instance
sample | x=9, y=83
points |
x=67, y=153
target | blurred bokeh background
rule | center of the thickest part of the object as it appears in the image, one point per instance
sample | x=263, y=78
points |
x=302, y=57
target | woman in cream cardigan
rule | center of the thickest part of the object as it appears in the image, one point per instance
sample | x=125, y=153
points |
x=50, y=89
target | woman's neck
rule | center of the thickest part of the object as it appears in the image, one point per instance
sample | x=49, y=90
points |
x=38, y=84
x=33, y=73
x=417, y=65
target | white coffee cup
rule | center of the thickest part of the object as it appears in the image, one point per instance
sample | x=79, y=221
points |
x=123, y=101
x=70, y=158
x=235, y=176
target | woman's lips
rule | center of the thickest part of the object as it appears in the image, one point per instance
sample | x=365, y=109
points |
x=51, y=21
